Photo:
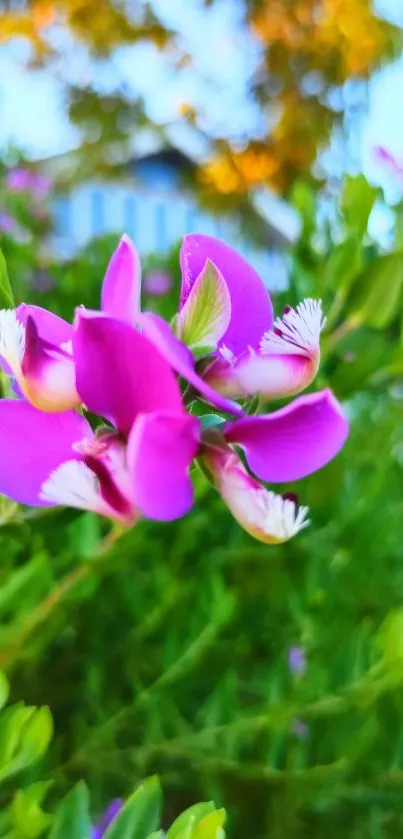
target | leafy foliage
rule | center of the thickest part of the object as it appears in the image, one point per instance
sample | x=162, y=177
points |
x=22, y=814
x=165, y=650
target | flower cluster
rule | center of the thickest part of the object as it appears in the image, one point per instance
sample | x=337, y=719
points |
x=126, y=366
x=23, y=201
x=21, y=179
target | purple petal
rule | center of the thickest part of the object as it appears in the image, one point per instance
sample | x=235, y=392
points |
x=296, y=660
x=160, y=451
x=251, y=309
x=158, y=283
x=293, y=442
x=7, y=222
x=33, y=444
x=385, y=156
x=111, y=813
x=181, y=360
x=122, y=284
x=16, y=389
x=50, y=327
x=18, y=179
x=119, y=372
x=300, y=729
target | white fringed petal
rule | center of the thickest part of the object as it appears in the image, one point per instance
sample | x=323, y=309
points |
x=297, y=332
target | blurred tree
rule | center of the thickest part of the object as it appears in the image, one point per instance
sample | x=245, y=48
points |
x=312, y=52
x=101, y=26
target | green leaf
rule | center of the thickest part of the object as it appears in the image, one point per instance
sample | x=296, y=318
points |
x=141, y=813
x=29, y=820
x=303, y=198
x=6, y=294
x=159, y=834
x=24, y=737
x=73, y=818
x=4, y=690
x=187, y=820
x=205, y=317
x=211, y=420
x=37, y=736
x=357, y=201
x=85, y=534
x=374, y=298
x=203, y=350
x=12, y=721
x=343, y=263
x=211, y=826
x=342, y=267
x=22, y=580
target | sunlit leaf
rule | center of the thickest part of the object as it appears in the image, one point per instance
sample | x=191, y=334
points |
x=211, y=826
x=357, y=201
x=28, y=817
x=376, y=293
x=187, y=820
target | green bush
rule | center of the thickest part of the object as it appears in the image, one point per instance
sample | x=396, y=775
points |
x=167, y=650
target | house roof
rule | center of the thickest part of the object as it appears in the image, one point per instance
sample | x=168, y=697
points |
x=185, y=148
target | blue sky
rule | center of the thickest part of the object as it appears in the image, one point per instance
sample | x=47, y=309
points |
x=32, y=113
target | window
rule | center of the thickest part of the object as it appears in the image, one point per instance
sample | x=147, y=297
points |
x=62, y=216
x=97, y=203
x=161, y=230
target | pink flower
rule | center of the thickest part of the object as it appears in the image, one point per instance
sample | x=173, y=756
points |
x=55, y=458
x=40, y=185
x=35, y=348
x=254, y=355
x=21, y=179
x=122, y=366
x=389, y=160
x=43, y=366
x=42, y=282
x=18, y=179
x=36, y=345
x=140, y=466
x=7, y=222
x=158, y=283
x=121, y=298
x=226, y=320
x=280, y=447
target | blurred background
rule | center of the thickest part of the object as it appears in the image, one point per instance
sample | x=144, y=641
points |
x=270, y=679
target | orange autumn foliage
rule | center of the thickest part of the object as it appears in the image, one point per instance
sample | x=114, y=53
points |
x=327, y=42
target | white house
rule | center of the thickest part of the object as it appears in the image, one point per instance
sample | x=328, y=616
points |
x=152, y=205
